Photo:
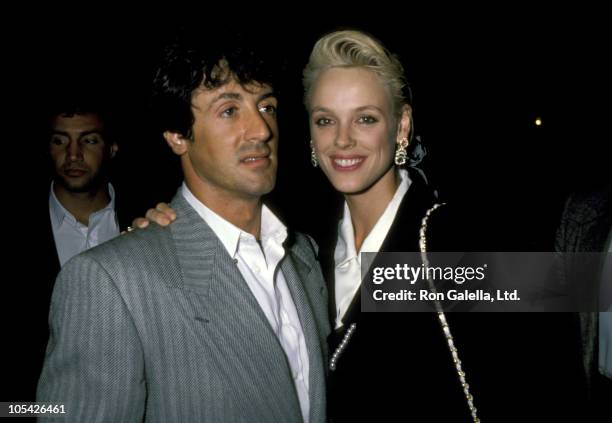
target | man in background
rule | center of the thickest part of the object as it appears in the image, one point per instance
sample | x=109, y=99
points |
x=75, y=208
x=586, y=226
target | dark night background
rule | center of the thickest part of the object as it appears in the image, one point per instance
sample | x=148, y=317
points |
x=478, y=83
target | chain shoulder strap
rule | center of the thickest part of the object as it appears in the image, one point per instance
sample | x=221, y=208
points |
x=442, y=317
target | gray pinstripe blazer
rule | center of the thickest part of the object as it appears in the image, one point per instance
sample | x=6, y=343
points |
x=159, y=326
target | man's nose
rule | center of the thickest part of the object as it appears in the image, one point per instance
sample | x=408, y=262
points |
x=74, y=150
x=258, y=129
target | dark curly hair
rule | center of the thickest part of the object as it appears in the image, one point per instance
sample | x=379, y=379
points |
x=78, y=99
x=193, y=60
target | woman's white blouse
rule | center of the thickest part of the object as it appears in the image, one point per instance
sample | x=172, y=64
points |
x=347, y=261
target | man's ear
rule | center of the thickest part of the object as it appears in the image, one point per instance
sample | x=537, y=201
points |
x=113, y=150
x=176, y=142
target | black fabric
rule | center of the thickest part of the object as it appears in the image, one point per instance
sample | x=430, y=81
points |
x=585, y=227
x=397, y=366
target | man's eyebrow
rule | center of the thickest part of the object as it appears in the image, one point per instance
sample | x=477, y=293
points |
x=265, y=95
x=226, y=96
x=82, y=134
x=238, y=97
x=93, y=131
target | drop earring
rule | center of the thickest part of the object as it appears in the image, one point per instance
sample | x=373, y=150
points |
x=313, y=155
x=400, y=152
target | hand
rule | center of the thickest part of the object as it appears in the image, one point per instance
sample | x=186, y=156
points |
x=162, y=214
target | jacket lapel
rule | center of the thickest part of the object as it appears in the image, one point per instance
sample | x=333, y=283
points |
x=403, y=235
x=208, y=270
x=297, y=270
x=226, y=316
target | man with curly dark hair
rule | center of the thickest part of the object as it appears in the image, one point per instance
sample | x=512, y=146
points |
x=221, y=317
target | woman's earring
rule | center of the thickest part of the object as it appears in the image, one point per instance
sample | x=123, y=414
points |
x=313, y=156
x=400, y=152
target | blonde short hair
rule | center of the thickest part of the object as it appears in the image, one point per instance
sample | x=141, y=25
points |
x=352, y=48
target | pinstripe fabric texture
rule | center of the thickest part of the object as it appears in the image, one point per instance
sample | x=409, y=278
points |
x=158, y=325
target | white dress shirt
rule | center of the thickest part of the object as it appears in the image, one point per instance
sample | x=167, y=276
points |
x=346, y=259
x=258, y=263
x=72, y=237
